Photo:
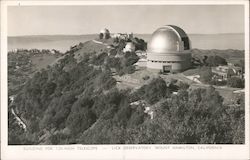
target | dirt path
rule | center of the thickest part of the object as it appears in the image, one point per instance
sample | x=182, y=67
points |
x=19, y=120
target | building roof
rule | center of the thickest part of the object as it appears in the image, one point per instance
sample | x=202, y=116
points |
x=168, y=38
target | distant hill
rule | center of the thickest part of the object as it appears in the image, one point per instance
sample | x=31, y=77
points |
x=39, y=38
x=231, y=55
x=59, y=42
x=63, y=42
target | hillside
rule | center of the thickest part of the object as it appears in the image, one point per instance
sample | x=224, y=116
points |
x=22, y=65
x=90, y=47
x=76, y=101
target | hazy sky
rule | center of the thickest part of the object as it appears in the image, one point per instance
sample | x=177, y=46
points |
x=44, y=20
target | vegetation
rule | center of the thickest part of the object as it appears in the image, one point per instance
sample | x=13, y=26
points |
x=23, y=63
x=101, y=36
x=230, y=55
x=214, y=61
x=122, y=62
x=206, y=74
x=78, y=102
x=140, y=44
x=235, y=82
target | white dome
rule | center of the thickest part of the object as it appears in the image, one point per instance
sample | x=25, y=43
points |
x=167, y=39
x=169, y=50
x=130, y=47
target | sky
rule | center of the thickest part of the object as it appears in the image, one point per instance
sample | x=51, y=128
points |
x=78, y=20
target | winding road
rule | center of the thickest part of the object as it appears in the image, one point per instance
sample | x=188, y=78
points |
x=18, y=119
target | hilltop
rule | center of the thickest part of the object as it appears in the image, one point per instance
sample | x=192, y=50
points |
x=63, y=42
x=79, y=100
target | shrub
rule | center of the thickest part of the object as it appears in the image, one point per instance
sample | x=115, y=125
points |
x=101, y=36
x=156, y=90
x=235, y=82
x=145, y=77
x=214, y=61
x=206, y=74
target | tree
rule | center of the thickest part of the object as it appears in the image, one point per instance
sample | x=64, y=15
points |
x=129, y=59
x=237, y=119
x=183, y=86
x=235, y=82
x=241, y=64
x=230, y=73
x=206, y=74
x=156, y=90
x=81, y=117
x=214, y=61
x=99, y=59
x=123, y=114
x=58, y=138
x=140, y=44
x=106, y=36
x=200, y=118
x=101, y=36
x=137, y=116
x=116, y=40
x=105, y=80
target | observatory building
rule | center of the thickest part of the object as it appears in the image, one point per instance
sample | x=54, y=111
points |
x=105, y=33
x=169, y=50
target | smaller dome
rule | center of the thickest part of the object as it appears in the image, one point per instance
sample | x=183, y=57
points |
x=104, y=31
x=130, y=47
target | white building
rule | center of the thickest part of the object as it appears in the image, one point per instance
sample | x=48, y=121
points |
x=130, y=47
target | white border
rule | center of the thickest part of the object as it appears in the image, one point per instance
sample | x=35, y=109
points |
x=110, y=152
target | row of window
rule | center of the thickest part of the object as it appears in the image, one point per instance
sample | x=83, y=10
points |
x=164, y=61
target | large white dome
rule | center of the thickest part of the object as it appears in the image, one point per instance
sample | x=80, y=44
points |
x=169, y=50
x=167, y=39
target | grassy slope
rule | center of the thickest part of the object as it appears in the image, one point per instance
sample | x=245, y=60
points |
x=90, y=47
x=42, y=61
x=18, y=77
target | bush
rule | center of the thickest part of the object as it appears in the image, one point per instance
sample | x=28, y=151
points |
x=156, y=90
x=200, y=118
x=129, y=59
x=183, y=86
x=123, y=115
x=214, y=61
x=140, y=44
x=206, y=75
x=101, y=36
x=145, y=77
x=218, y=83
x=235, y=82
x=80, y=119
x=58, y=138
x=99, y=59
